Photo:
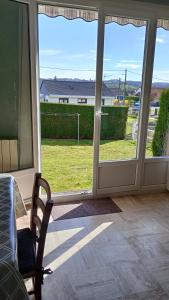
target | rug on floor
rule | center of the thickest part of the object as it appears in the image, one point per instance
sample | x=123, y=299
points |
x=84, y=208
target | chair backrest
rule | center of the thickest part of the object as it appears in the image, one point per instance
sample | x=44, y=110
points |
x=39, y=224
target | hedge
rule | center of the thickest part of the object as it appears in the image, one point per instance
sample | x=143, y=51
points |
x=162, y=126
x=64, y=123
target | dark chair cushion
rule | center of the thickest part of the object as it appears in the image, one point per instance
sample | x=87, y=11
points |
x=26, y=251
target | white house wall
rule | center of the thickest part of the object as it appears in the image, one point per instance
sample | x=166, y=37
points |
x=74, y=99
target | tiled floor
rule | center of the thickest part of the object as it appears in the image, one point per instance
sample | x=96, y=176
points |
x=114, y=256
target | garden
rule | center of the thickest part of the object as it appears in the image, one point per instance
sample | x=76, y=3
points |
x=67, y=164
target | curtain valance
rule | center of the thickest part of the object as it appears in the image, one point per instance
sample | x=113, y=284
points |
x=91, y=15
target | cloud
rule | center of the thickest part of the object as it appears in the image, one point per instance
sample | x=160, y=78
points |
x=93, y=54
x=89, y=55
x=130, y=61
x=127, y=65
x=45, y=73
x=78, y=55
x=161, y=75
x=49, y=52
x=160, y=40
x=92, y=51
x=107, y=59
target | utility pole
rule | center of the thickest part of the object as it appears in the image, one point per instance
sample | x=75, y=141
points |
x=125, y=82
x=119, y=88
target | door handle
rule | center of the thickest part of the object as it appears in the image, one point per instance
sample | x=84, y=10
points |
x=104, y=114
x=98, y=113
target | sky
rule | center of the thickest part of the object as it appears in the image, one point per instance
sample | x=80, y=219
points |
x=67, y=49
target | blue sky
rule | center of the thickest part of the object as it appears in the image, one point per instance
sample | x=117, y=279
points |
x=69, y=47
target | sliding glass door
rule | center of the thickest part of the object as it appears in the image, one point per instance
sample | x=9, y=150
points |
x=124, y=69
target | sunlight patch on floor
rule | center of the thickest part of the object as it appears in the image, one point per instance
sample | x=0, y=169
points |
x=78, y=246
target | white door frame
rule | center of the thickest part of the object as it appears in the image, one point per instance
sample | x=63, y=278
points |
x=98, y=88
x=147, y=11
x=150, y=41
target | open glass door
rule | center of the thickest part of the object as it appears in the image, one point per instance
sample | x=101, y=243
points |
x=67, y=50
x=120, y=112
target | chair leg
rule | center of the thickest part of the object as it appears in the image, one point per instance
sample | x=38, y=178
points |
x=33, y=282
x=38, y=288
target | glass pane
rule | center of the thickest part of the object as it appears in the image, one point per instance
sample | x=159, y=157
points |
x=122, y=75
x=67, y=70
x=15, y=98
x=157, y=132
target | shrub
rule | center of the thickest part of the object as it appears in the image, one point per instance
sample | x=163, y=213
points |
x=162, y=126
x=132, y=99
x=64, y=123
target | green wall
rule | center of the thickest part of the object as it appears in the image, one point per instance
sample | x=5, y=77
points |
x=9, y=49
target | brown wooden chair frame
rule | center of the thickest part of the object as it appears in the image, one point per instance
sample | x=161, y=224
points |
x=39, y=235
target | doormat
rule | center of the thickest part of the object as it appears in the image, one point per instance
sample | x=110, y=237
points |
x=85, y=208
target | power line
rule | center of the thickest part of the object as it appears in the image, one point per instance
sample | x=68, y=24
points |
x=85, y=70
x=91, y=70
x=154, y=77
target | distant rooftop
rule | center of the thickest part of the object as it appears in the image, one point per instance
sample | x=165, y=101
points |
x=72, y=88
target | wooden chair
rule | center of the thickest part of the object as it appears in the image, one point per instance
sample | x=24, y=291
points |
x=31, y=241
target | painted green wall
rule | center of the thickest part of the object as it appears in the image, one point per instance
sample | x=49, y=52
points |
x=9, y=49
x=162, y=2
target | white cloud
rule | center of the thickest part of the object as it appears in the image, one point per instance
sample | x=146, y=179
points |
x=161, y=75
x=107, y=59
x=127, y=65
x=130, y=61
x=160, y=40
x=90, y=55
x=49, y=52
x=45, y=73
x=78, y=55
x=92, y=51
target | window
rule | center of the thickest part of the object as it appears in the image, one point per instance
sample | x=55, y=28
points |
x=82, y=100
x=119, y=127
x=157, y=130
x=63, y=100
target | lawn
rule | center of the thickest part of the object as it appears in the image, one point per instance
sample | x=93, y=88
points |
x=68, y=166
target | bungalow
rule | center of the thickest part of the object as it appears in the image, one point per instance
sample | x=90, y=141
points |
x=74, y=92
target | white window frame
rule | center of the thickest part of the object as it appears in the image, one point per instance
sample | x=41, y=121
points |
x=64, y=100
x=82, y=100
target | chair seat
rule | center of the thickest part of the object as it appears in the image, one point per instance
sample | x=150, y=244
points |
x=26, y=251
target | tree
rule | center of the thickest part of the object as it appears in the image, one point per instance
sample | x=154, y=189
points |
x=159, y=143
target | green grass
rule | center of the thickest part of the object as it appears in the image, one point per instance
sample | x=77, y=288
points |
x=68, y=166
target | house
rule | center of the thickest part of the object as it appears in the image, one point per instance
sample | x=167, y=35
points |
x=73, y=92
x=116, y=252
x=156, y=93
